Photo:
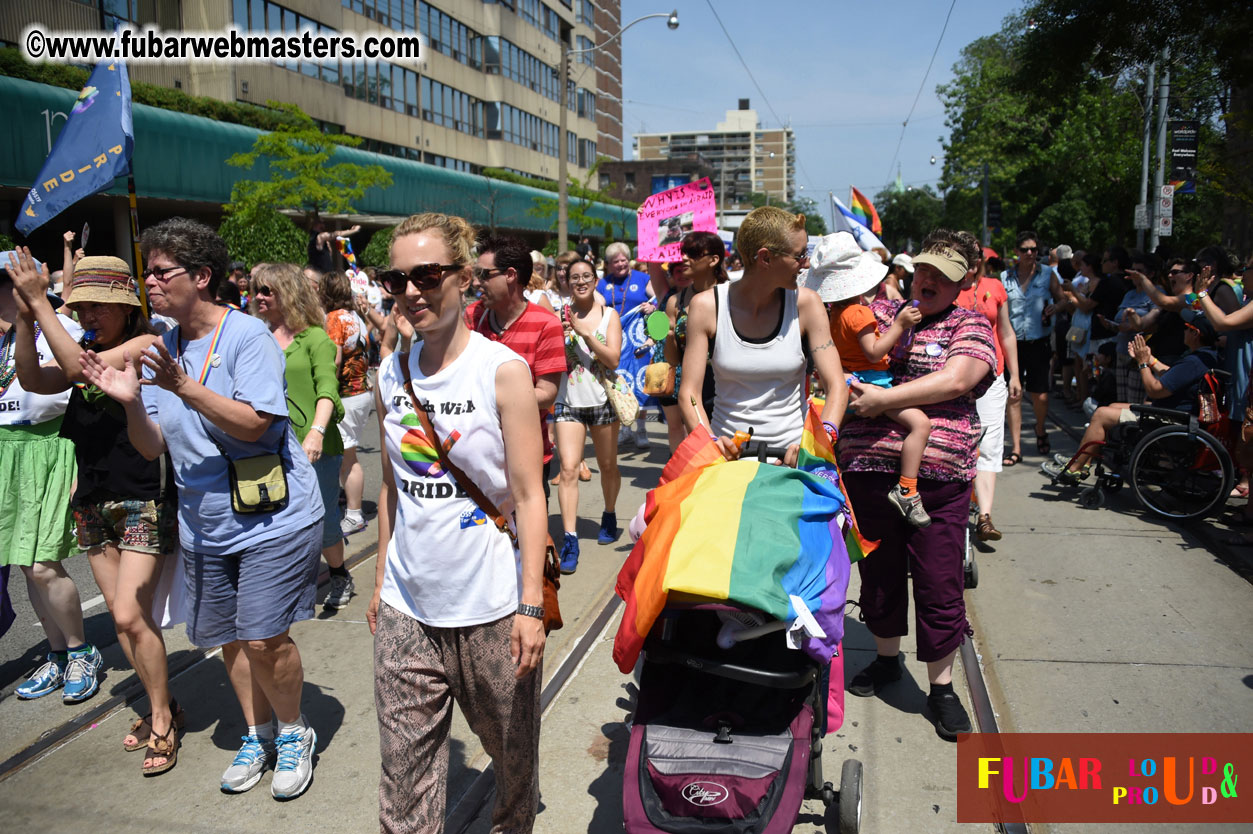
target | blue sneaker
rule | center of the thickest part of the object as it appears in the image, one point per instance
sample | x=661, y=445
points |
x=250, y=763
x=570, y=553
x=609, y=529
x=294, y=770
x=46, y=679
x=82, y=678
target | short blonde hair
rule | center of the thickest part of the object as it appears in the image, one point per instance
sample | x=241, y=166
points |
x=767, y=227
x=457, y=232
x=298, y=302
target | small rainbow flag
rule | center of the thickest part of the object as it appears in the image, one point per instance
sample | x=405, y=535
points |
x=864, y=210
x=748, y=532
x=818, y=456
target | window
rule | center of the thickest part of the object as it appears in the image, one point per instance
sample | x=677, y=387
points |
x=584, y=57
x=604, y=181
x=500, y=57
x=585, y=12
x=394, y=14
x=504, y=121
x=628, y=180
x=450, y=36
x=451, y=108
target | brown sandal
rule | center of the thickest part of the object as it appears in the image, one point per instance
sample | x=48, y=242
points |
x=142, y=728
x=985, y=530
x=166, y=746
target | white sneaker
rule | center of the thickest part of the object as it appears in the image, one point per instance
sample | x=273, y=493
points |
x=294, y=770
x=250, y=762
x=641, y=439
x=348, y=526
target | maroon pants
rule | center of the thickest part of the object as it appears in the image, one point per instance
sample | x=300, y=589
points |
x=932, y=555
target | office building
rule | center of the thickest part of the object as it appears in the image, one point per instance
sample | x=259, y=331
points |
x=485, y=93
x=745, y=157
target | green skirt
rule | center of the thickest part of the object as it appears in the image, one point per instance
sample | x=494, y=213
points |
x=37, y=471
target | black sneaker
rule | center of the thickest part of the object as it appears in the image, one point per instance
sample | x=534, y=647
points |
x=881, y=671
x=949, y=715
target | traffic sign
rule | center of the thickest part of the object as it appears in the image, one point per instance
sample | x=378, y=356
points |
x=1142, y=216
x=1165, y=206
x=1164, y=226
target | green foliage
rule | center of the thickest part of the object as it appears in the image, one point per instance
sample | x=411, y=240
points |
x=6, y=242
x=908, y=216
x=814, y=222
x=378, y=252
x=263, y=236
x=576, y=188
x=14, y=65
x=302, y=176
x=1066, y=164
x=580, y=198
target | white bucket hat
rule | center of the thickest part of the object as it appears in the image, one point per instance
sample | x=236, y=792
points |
x=839, y=269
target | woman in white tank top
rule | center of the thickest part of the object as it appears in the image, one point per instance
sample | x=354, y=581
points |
x=758, y=328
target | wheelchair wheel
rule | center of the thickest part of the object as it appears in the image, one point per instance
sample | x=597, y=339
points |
x=1180, y=474
x=1091, y=498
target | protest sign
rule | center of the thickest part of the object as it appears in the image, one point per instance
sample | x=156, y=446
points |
x=665, y=219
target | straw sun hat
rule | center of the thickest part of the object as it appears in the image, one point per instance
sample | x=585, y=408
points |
x=103, y=279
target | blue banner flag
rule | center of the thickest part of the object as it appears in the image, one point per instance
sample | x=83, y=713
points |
x=92, y=150
x=636, y=353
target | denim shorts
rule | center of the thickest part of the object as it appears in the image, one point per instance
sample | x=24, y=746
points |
x=327, y=470
x=254, y=594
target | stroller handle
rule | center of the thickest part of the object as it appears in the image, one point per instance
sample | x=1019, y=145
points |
x=764, y=453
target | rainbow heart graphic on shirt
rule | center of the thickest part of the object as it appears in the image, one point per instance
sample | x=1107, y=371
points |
x=419, y=452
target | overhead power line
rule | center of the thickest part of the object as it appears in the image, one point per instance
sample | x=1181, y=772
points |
x=921, y=86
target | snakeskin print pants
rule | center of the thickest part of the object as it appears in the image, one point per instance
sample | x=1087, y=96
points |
x=419, y=671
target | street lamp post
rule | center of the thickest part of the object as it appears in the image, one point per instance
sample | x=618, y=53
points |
x=563, y=150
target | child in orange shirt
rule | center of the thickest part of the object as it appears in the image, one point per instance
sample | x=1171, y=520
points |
x=849, y=279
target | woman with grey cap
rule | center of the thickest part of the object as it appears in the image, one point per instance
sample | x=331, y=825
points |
x=949, y=364
x=123, y=503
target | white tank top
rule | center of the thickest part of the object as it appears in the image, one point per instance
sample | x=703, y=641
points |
x=759, y=384
x=580, y=388
x=447, y=564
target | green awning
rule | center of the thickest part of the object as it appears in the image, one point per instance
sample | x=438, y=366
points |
x=182, y=157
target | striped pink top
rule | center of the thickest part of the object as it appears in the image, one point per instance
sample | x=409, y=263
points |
x=874, y=445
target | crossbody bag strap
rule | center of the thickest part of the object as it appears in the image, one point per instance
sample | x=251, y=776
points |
x=476, y=495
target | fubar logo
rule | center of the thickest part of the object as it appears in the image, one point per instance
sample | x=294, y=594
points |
x=705, y=793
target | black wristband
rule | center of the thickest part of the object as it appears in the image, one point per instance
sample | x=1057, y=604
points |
x=536, y=611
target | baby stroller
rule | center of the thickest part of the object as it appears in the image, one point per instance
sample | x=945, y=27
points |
x=728, y=726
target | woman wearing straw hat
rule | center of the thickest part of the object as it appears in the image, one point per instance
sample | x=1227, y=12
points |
x=123, y=503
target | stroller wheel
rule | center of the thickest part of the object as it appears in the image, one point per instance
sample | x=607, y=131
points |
x=971, y=574
x=848, y=808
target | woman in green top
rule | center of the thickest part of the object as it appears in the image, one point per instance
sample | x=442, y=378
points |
x=281, y=297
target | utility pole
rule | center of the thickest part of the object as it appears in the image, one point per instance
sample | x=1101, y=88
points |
x=563, y=152
x=1144, y=166
x=987, y=233
x=1163, y=100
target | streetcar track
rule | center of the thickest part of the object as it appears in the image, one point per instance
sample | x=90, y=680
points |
x=67, y=731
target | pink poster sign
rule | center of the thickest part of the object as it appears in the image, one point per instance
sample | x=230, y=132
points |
x=666, y=218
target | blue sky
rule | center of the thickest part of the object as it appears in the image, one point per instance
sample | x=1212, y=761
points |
x=843, y=74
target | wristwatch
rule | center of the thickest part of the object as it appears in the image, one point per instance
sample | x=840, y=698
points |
x=319, y=429
x=536, y=611
x=1144, y=365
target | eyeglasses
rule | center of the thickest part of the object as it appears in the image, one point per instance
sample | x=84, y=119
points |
x=425, y=277
x=1179, y=272
x=162, y=273
x=582, y=278
x=262, y=289
x=482, y=275
x=801, y=258
x=1028, y=249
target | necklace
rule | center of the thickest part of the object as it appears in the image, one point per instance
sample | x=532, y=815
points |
x=8, y=359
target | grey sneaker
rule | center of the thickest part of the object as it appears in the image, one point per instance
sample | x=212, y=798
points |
x=294, y=770
x=1061, y=475
x=641, y=439
x=250, y=762
x=910, y=506
x=342, y=589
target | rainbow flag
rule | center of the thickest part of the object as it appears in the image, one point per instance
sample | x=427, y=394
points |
x=864, y=211
x=817, y=455
x=748, y=532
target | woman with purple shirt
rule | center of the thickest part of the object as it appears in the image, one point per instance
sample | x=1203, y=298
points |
x=950, y=363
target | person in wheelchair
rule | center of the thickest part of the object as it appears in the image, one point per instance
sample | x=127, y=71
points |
x=1174, y=387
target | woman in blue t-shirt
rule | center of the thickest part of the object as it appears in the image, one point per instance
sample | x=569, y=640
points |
x=214, y=396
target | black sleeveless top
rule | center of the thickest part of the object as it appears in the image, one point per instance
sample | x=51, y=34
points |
x=109, y=467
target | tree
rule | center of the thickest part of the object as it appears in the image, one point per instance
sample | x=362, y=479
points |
x=908, y=216
x=302, y=177
x=378, y=252
x=263, y=235
x=814, y=223
x=581, y=197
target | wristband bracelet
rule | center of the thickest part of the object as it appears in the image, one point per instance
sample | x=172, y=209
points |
x=833, y=431
x=536, y=611
x=1144, y=365
x=319, y=429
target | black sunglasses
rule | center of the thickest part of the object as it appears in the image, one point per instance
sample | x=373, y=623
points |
x=423, y=276
x=1025, y=249
x=262, y=289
